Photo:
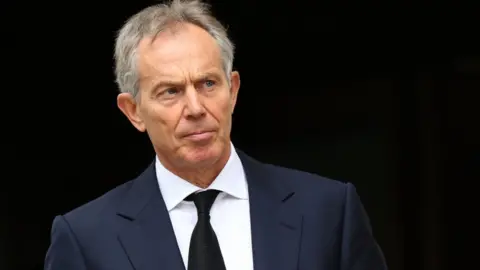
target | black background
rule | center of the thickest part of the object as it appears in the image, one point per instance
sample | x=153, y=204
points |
x=381, y=95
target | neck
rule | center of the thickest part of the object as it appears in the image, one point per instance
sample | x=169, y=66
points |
x=202, y=176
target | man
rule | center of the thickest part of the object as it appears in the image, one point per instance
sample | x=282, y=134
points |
x=202, y=204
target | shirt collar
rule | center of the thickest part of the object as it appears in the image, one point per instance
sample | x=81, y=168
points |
x=231, y=180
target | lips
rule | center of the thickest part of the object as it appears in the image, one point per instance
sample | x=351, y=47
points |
x=198, y=133
x=201, y=136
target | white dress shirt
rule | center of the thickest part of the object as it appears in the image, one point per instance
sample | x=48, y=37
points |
x=230, y=213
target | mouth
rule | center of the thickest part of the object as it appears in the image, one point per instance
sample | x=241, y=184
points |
x=200, y=136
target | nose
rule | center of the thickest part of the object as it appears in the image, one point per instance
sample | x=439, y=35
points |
x=194, y=105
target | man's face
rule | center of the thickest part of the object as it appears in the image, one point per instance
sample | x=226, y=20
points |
x=185, y=102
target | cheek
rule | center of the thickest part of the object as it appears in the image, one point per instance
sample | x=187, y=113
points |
x=162, y=119
x=225, y=100
x=220, y=108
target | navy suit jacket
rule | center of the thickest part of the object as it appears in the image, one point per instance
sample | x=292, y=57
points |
x=298, y=221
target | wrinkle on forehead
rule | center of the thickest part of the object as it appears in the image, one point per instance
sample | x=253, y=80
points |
x=188, y=49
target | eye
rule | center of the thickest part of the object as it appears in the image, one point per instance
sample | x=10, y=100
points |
x=209, y=83
x=171, y=91
x=167, y=94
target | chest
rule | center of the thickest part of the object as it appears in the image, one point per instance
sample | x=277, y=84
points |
x=230, y=218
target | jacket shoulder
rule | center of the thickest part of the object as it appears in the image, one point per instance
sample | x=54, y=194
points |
x=305, y=180
x=312, y=191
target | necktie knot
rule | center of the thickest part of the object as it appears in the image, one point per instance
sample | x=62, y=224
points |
x=203, y=200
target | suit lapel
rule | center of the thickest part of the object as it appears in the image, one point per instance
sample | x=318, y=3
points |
x=276, y=223
x=149, y=240
x=148, y=237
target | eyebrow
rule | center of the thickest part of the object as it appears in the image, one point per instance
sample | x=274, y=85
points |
x=210, y=74
x=167, y=82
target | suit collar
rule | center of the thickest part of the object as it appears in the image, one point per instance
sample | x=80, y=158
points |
x=257, y=174
x=142, y=189
x=149, y=240
x=276, y=221
x=147, y=236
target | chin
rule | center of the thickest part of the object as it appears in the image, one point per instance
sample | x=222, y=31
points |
x=204, y=155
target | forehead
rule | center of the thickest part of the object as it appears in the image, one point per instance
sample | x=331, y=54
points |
x=185, y=49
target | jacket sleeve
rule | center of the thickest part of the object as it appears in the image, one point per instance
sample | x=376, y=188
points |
x=64, y=251
x=359, y=250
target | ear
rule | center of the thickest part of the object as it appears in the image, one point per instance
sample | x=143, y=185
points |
x=128, y=105
x=234, y=87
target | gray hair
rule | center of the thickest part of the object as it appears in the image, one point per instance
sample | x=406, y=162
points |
x=154, y=19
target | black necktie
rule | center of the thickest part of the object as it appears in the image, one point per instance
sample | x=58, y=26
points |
x=204, y=252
